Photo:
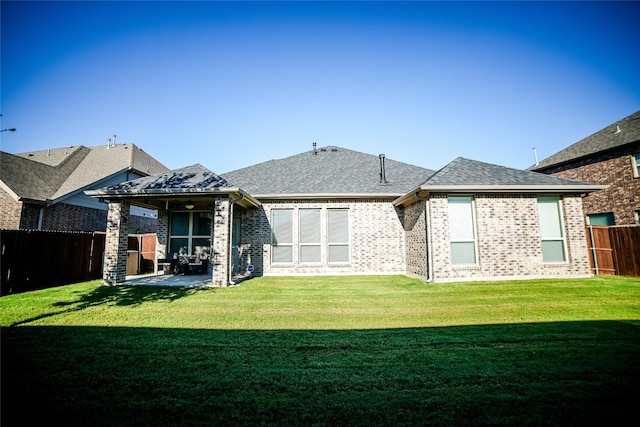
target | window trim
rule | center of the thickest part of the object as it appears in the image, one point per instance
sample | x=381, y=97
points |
x=275, y=244
x=190, y=236
x=317, y=244
x=635, y=162
x=335, y=244
x=563, y=238
x=473, y=228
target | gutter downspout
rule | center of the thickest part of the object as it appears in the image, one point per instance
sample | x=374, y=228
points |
x=593, y=249
x=427, y=226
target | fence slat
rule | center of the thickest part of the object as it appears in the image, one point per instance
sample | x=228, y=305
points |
x=33, y=259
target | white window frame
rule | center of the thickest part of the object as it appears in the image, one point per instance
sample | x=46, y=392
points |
x=334, y=244
x=276, y=244
x=562, y=238
x=635, y=161
x=474, y=238
x=310, y=244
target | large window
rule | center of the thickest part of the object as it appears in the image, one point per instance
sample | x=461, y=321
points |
x=551, y=229
x=310, y=235
x=338, y=235
x=282, y=236
x=462, y=228
x=190, y=233
x=322, y=236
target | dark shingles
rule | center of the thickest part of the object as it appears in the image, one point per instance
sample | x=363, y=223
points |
x=190, y=177
x=465, y=172
x=330, y=170
x=623, y=132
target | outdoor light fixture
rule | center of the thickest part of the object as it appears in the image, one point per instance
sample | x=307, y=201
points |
x=189, y=205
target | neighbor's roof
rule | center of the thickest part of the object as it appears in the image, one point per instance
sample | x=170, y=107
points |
x=328, y=172
x=623, y=132
x=474, y=177
x=49, y=175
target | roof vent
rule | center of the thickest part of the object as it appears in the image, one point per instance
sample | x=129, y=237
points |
x=383, y=173
x=323, y=149
x=315, y=150
x=618, y=130
x=334, y=149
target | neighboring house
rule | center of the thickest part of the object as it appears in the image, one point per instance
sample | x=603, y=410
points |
x=331, y=211
x=610, y=157
x=44, y=190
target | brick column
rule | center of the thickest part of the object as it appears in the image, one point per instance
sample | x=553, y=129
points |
x=162, y=236
x=220, y=237
x=115, y=251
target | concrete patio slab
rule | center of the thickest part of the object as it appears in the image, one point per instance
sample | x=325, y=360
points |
x=189, y=281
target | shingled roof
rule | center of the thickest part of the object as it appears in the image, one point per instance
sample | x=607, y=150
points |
x=618, y=134
x=474, y=177
x=50, y=175
x=328, y=171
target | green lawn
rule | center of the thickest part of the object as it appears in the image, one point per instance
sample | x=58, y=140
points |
x=324, y=351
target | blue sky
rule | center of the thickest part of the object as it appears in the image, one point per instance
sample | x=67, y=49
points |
x=231, y=84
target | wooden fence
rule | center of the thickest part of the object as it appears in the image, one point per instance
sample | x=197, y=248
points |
x=33, y=259
x=614, y=250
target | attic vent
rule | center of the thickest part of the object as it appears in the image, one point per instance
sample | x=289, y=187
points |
x=323, y=149
x=383, y=173
x=334, y=149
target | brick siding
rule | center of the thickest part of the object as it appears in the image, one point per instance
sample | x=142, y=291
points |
x=117, y=239
x=508, y=239
x=376, y=243
x=614, y=169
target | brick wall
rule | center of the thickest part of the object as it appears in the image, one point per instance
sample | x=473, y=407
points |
x=377, y=243
x=508, y=239
x=416, y=239
x=10, y=212
x=65, y=217
x=115, y=251
x=614, y=169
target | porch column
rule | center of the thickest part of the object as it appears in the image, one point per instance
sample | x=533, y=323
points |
x=220, y=241
x=115, y=251
x=162, y=236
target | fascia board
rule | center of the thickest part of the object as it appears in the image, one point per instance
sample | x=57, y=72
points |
x=412, y=196
x=129, y=194
x=578, y=188
x=304, y=196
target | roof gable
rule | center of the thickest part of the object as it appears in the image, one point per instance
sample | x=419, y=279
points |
x=467, y=173
x=328, y=171
x=56, y=173
x=621, y=133
x=195, y=177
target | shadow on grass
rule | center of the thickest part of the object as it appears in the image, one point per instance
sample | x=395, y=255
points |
x=121, y=295
x=564, y=373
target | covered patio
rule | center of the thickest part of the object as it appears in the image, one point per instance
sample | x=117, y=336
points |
x=195, y=220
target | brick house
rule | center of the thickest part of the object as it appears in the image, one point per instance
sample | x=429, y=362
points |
x=333, y=211
x=44, y=190
x=609, y=157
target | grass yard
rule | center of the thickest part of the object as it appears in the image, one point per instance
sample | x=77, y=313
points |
x=324, y=351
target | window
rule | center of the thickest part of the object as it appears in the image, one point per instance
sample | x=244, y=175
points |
x=338, y=235
x=321, y=236
x=190, y=233
x=282, y=237
x=636, y=165
x=637, y=217
x=602, y=219
x=309, y=230
x=462, y=228
x=551, y=229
